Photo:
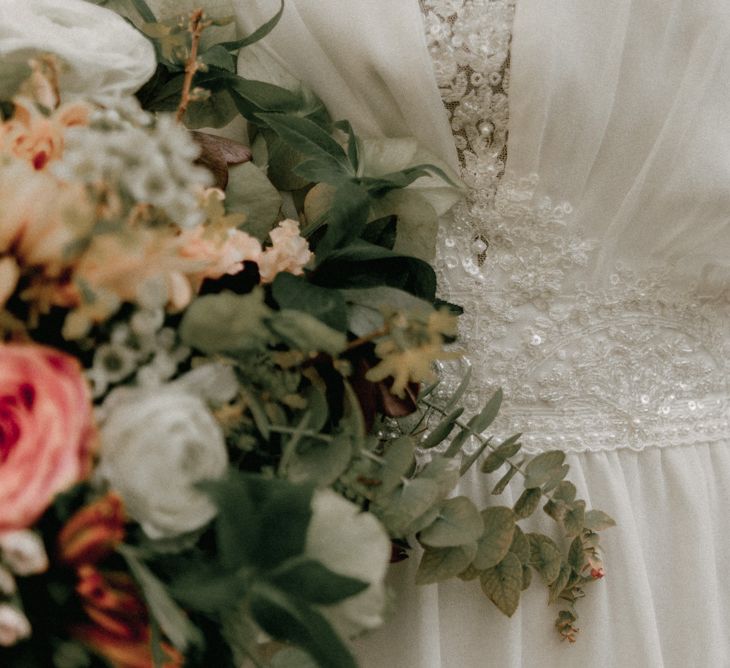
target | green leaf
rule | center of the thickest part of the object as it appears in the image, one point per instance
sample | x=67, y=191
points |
x=438, y=564
x=505, y=480
x=144, y=11
x=442, y=430
x=365, y=307
x=309, y=139
x=364, y=265
x=577, y=555
x=320, y=462
x=287, y=619
x=444, y=471
x=397, y=460
x=251, y=193
x=565, y=491
x=171, y=619
x=217, y=56
x=545, y=557
x=503, y=584
x=353, y=150
x=597, y=520
x=257, y=34
x=408, y=503
x=301, y=331
x=209, y=591
x=292, y=658
x=458, y=523
x=237, y=541
x=459, y=392
x=556, y=478
x=574, y=518
x=556, y=588
x=215, y=111
x=381, y=232
x=520, y=546
x=499, y=530
x=295, y=292
x=526, y=577
x=283, y=159
x=477, y=424
x=505, y=450
x=226, y=323
x=527, y=503
x=345, y=219
x=540, y=469
x=315, y=583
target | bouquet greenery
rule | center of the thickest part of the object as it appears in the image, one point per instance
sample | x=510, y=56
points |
x=219, y=416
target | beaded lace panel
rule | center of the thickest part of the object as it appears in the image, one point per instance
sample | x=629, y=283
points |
x=634, y=364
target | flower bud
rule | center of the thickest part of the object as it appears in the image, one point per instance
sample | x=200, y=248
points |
x=14, y=625
x=23, y=552
x=93, y=532
x=7, y=582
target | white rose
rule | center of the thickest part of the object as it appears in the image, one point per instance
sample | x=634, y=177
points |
x=155, y=446
x=23, y=552
x=102, y=55
x=353, y=543
x=14, y=625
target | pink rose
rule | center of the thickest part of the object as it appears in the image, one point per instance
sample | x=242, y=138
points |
x=46, y=430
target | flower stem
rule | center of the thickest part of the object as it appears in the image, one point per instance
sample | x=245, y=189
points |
x=197, y=25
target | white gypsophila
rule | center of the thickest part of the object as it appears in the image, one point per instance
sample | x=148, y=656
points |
x=155, y=447
x=102, y=56
x=354, y=543
x=23, y=552
x=150, y=160
x=14, y=625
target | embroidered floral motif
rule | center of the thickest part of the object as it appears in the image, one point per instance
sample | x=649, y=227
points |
x=632, y=361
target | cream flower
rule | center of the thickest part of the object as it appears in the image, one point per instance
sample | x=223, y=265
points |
x=23, y=552
x=155, y=446
x=352, y=543
x=103, y=57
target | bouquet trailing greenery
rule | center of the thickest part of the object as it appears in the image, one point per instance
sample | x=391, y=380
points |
x=219, y=413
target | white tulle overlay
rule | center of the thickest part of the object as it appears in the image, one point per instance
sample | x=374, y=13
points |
x=592, y=259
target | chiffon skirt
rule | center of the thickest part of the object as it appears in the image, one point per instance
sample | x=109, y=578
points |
x=665, y=600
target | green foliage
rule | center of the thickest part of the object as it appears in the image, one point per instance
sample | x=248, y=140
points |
x=503, y=584
x=458, y=523
x=294, y=292
x=440, y=564
x=251, y=193
x=495, y=541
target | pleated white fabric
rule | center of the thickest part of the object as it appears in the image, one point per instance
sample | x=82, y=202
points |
x=623, y=109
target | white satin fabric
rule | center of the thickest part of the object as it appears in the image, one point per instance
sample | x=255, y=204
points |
x=622, y=108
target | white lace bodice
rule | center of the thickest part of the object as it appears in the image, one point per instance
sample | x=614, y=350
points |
x=634, y=359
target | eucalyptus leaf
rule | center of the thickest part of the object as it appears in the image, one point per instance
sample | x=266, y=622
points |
x=444, y=471
x=503, y=584
x=365, y=314
x=526, y=577
x=557, y=587
x=565, y=491
x=541, y=468
x=504, y=481
x=574, y=518
x=520, y=546
x=505, y=450
x=408, y=503
x=577, y=555
x=527, y=503
x=292, y=658
x=458, y=523
x=439, y=564
x=545, y=557
x=442, y=430
x=320, y=462
x=597, y=520
x=396, y=461
x=499, y=530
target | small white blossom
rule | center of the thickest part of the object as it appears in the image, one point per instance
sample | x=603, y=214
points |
x=23, y=552
x=14, y=625
x=7, y=582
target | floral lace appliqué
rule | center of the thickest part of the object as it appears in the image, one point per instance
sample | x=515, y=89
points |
x=633, y=361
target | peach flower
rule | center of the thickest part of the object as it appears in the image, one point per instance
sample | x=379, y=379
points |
x=37, y=138
x=289, y=252
x=46, y=430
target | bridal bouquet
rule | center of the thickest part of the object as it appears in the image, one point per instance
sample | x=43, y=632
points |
x=218, y=415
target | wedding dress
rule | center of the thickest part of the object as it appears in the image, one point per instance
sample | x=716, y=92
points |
x=592, y=257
